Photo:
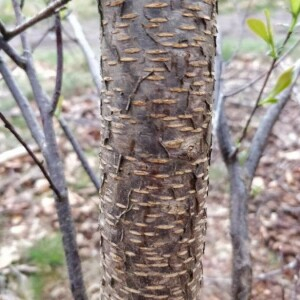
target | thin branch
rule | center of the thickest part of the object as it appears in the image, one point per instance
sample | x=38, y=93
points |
x=256, y=105
x=23, y=104
x=87, y=51
x=241, y=261
x=12, y=53
x=264, y=130
x=219, y=64
x=11, y=128
x=22, y=3
x=290, y=266
x=78, y=150
x=41, y=39
x=275, y=60
x=3, y=29
x=32, y=122
x=221, y=125
x=43, y=14
x=56, y=172
x=239, y=232
x=259, y=77
x=59, y=63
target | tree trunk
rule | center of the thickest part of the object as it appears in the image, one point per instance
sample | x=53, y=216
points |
x=157, y=65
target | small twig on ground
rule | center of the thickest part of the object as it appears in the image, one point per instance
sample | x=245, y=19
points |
x=11, y=128
x=44, y=14
x=59, y=63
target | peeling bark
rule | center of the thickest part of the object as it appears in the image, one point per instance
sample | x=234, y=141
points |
x=157, y=65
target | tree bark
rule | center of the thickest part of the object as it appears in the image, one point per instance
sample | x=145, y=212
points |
x=157, y=64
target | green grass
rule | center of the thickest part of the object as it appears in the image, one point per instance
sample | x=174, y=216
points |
x=37, y=283
x=83, y=182
x=48, y=255
x=47, y=252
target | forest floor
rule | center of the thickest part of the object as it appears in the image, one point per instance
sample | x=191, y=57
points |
x=28, y=223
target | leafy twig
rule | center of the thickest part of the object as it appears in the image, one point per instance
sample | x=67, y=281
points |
x=259, y=77
x=260, y=138
x=274, y=61
x=11, y=128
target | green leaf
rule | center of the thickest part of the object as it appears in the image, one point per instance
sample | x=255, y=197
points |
x=270, y=34
x=283, y=82
x=295, y=7
x=59, y=107
x=268, y=101
x=259, y=28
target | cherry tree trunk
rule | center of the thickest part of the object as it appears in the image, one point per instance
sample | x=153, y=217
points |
x=158, y=79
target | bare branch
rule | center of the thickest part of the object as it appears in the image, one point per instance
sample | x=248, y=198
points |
x=23, y=104
x=87, y=50
x=3, y=30
x=59, y=63
x=256, y=105
x=221, y=124
x=290, y=266
x=78, y=150
x=45, y=13
x=11, y=128
x=12, y=53
x=41, y=39
x=241, y=261
x=239, y=232
x=22, y=3
x=219, y=64
x=264, y=130
x=56, y=172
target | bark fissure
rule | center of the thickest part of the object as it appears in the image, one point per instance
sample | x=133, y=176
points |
x=155, y=118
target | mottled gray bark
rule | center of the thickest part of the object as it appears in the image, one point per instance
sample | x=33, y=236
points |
x=157, y=65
